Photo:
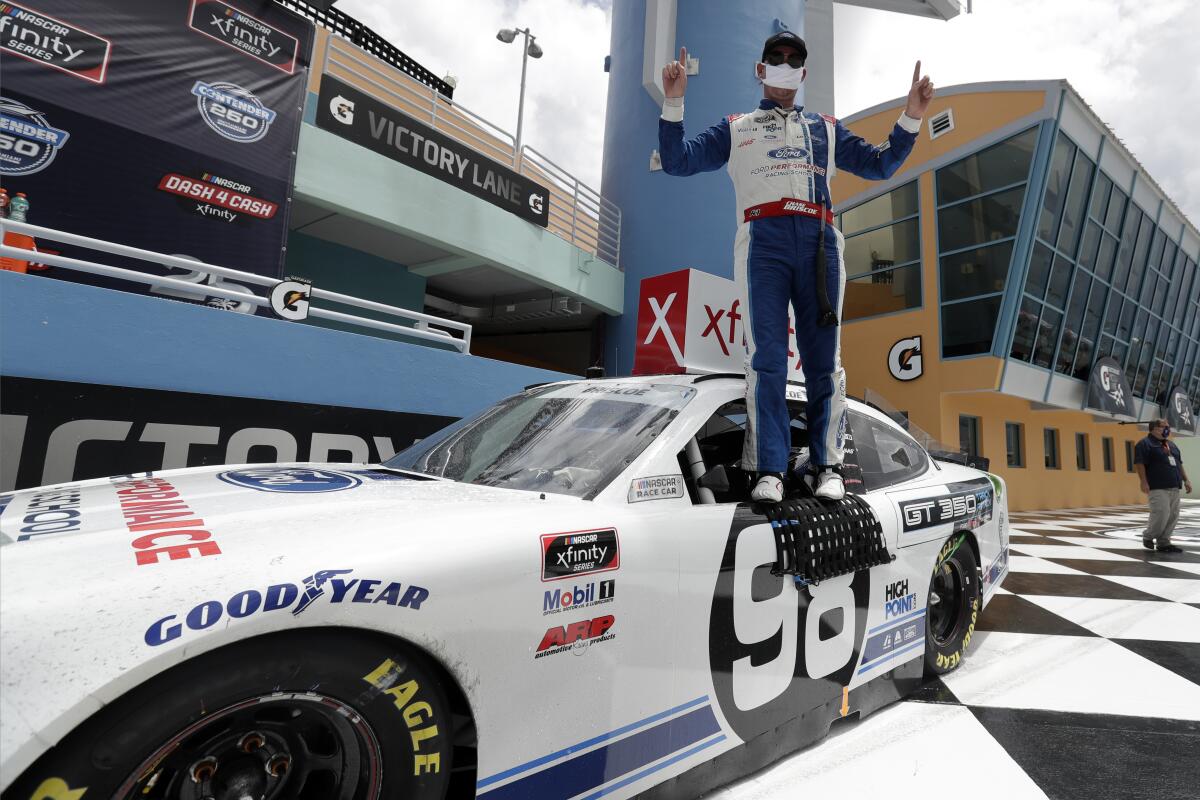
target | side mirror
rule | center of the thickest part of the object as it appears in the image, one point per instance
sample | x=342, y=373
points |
x=716, y=479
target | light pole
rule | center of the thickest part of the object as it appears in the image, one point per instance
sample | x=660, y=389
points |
x=507, y=35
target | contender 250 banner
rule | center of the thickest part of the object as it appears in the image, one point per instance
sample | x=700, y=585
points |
x=169, y=125
x=347, y=112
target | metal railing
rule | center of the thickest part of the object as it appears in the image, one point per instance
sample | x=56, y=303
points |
x=344, y=25
x=203, y=280
x=577, y=213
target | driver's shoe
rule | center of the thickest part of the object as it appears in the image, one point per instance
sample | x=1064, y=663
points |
x=769, y=488
x=830, y=485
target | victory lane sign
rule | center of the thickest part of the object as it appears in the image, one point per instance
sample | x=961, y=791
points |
x=353, y=115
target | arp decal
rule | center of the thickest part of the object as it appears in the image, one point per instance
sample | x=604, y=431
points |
x=418, y=714
x=969, y=503
x=776, y=650
x=28, y=142
x=47, y=40
x=581, y=595
x=576, y=637
x=569, y=555
x=291, y=479
x=297, y=597
x=235, y=28
x=232, y=112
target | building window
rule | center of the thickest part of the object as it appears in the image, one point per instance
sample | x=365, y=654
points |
x=1107, y=442
x=979, y=207
x=968, y=436
x=882, y=254
x=1129, y=457
x=1014, y=437
x=1050, y=443
x=1081, y=452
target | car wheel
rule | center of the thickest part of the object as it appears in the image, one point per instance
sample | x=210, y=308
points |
x=320, y=715
x=953, y=606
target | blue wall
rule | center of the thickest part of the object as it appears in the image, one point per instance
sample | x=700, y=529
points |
x=56, y=330
x=672, y=223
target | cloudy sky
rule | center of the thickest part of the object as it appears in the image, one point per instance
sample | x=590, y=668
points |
x=1134, y=61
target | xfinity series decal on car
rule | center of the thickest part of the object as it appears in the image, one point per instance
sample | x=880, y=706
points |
x=244, y=33
x=279, y=596
x=28, y=143
x=566, y=555
x=970, y=501
x=43, y=39
x=577, y=636
x=232, y=112
x=290, y=479
x=582, y=595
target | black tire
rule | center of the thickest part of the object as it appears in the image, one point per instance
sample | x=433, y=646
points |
x=954, y=597
x=337, y=715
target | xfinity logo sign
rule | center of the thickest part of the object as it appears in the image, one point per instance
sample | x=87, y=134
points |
x=249, y=35
x=566, y=555
x=904, y=359
x=53, y=42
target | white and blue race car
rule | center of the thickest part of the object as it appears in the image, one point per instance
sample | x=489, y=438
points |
x=565, y=596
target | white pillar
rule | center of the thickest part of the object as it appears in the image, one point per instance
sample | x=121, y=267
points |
x=818, y=36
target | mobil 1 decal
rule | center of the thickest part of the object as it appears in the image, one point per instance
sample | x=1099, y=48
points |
x=777, y=650
x=350, y=114
x=967, y=504
x=166, y=125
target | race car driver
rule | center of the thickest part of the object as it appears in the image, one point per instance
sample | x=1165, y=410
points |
x=781, y=159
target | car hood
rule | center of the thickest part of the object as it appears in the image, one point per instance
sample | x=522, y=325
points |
x=249, y=500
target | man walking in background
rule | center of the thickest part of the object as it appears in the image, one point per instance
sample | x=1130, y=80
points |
x=1160, y=469
x=781, y=158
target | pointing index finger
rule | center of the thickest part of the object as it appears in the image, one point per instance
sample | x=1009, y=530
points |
x=683, y=56
x=917, y=71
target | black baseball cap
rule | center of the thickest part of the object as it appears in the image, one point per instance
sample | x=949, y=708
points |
x=788, y=39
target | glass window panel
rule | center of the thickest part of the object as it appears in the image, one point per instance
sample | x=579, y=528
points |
x=1142, y=372
x=1073, y=209
x=1113, y=315
x=978, y=221
x=967, y=328
x=896, y=204
x=882, y=248
x=983, y=270
x=1168, y=259
x=882, y=292
x=1000, y=165
x=1160, y=295
x=1100, y=194
x=1181, y=291
x=1047, y=334
x=1119, y=351
x=1060, y=279
x=1115, y=208
x=1081, y=452
x=1091, y=331
x=1027, y=322
x=1073, y=323
x=1138, y=264
x=1126, y=327
x=1107, y=343
x=1156, y=248
x=1148, y=285
x=1104, y=260
x=1039, y=270
x=1087, y=249
x=1014, y=441
x=1056, y=188
x=1050, y=447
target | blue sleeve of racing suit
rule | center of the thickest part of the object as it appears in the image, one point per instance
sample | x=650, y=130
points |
x=873, y=162
x=706, y=152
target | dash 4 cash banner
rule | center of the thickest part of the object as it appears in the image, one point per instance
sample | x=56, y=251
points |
x=169, y=125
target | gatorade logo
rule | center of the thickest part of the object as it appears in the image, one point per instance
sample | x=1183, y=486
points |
x=904, y=359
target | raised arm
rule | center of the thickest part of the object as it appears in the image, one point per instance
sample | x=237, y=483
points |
x=706, y=152
x=879, y=162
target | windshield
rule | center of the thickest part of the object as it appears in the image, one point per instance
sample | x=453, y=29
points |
x=567, y=439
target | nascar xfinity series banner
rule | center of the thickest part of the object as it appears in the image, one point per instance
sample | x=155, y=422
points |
x=169, y=125
x=347, y=112
x=56, y=431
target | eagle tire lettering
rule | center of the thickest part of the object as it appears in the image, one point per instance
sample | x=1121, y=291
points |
x=777, y=650
x=945, y=653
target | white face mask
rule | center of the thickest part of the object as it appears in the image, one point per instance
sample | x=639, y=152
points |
x=783, y=76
